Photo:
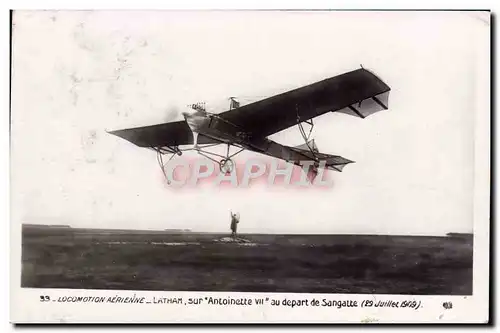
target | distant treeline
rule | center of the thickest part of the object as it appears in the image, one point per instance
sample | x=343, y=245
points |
x=47, y=227
x=460, y=235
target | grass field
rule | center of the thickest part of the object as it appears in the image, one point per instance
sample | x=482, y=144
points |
x=104, y=259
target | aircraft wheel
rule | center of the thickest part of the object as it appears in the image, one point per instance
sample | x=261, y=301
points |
x=226, y=165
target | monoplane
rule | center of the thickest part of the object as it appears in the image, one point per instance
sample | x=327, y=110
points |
x=358, y=93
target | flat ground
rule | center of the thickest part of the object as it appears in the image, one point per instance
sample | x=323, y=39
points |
x=103, y=259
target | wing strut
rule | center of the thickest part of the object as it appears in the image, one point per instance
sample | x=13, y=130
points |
x=225, y=162
x=379, y=102
x=159, y=157
x=307, y=136
x=356, y=111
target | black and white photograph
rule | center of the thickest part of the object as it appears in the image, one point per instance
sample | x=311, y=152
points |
x=196, y=159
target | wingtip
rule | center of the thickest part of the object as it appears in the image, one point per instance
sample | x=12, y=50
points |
x=112, y=132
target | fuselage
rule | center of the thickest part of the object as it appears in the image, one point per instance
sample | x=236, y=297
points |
x=210, y=125
x=197, y=120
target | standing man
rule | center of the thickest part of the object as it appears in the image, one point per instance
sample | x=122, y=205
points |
x=234, y=224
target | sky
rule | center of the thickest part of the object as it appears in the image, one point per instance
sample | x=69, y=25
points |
x=77, y=75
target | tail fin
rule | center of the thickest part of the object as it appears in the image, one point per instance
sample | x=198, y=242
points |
x=331, y=162
x=308, y=146
x=304, y=152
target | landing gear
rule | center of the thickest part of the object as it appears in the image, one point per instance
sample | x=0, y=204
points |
x=225, y=162
x=159, y=156
x=226, y=166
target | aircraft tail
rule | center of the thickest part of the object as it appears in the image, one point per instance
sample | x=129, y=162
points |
x=332, y=162
x=310, y=145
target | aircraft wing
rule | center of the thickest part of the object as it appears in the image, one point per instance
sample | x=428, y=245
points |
x=161, y=135
x=358, y=93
